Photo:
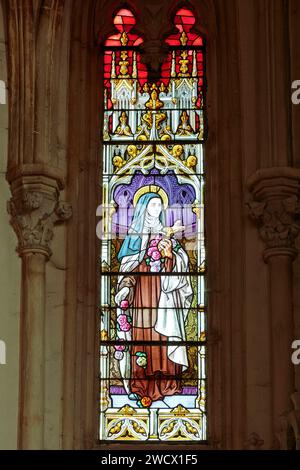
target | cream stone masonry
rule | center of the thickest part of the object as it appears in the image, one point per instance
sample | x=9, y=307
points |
x=35, y=171
x=34, y=210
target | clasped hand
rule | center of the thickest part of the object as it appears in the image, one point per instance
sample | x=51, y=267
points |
x=121, y=295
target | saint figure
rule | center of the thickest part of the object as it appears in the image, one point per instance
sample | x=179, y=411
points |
x=153, y=297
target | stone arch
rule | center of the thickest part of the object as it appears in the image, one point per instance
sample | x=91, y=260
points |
x=85, y=148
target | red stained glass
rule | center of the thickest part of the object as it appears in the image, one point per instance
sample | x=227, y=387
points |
x=184, y=17
x=198, y=42
x=184, y=21
x=182, y=63
x=165, y=70
x=124, y=21
x=138, y=41
x=114, y=65
x=185, y=12
x=115, y=40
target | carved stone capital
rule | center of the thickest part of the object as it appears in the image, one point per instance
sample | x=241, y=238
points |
x=35, y=209
x=274, y=203
x=254, y=442
x=278, y=221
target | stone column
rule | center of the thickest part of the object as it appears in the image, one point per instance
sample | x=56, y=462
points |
x=289, y=436
x=275, y=205
x=34, y=210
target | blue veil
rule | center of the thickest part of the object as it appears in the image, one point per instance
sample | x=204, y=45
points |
x=133, y=241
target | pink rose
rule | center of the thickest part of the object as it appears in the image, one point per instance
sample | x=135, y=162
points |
x=124, y=304
x=122, y=319
x=119, y=347
x=126, y=327
x=123, y=322
x=151, y=250
x=155, y=241
x=156, y=255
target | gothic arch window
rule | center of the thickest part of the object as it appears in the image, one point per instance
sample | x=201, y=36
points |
x=153, y=303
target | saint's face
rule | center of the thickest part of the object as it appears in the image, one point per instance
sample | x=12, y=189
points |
x=154, y=207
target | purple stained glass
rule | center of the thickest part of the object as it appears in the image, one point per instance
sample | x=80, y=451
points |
x=181, y=199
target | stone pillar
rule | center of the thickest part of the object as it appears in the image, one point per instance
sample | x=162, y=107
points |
x=275, y=205
x=34, y=210
x=289, y=436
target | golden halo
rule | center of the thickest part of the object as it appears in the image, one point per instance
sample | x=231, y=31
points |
x=151, y=189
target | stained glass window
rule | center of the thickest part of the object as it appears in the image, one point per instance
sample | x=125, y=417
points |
x=152, y=299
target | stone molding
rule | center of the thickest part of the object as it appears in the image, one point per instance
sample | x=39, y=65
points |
x=37, y=170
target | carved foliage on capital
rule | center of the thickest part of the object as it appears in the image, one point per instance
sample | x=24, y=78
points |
x=278, y=220
x=254, y=442
x=33, y=216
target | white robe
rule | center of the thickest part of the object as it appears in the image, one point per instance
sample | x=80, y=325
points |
x=174, y=304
